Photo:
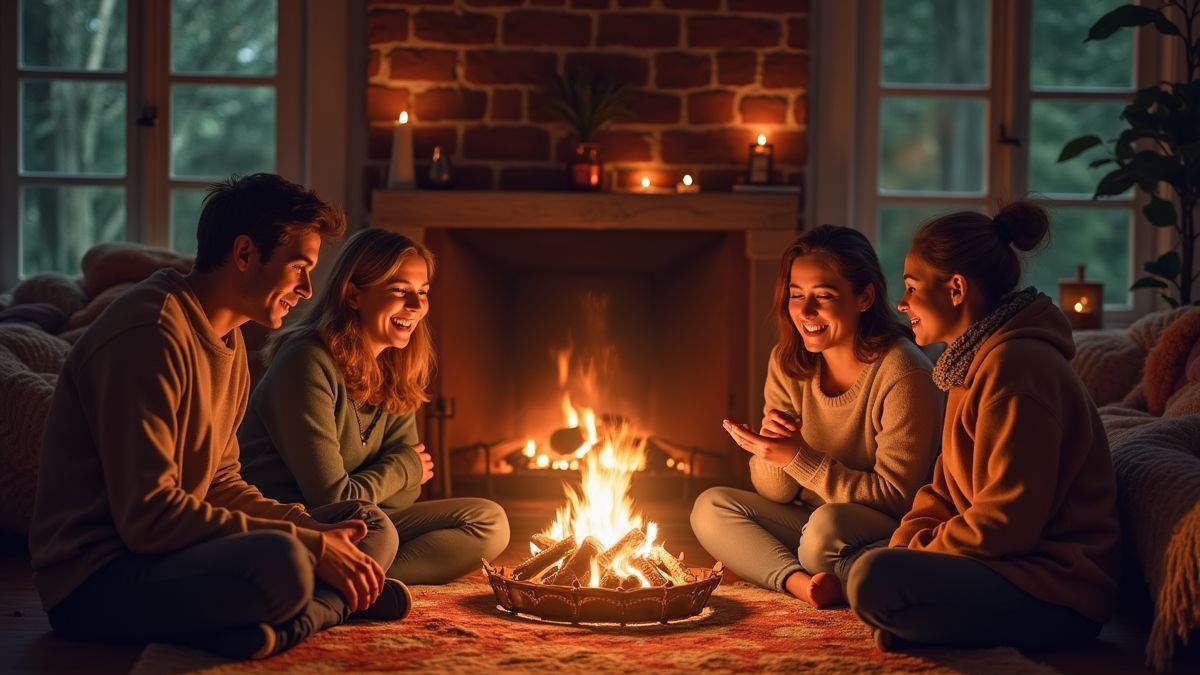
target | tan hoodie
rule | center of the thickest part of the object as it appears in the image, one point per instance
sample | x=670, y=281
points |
x=1025, y=482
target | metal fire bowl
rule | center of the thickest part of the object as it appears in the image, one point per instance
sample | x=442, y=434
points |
x=656, y=604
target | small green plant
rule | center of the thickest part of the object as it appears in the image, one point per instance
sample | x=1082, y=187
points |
x=1159, y=152
x=586, y=101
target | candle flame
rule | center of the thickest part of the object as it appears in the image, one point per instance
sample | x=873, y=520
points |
x=687, y=179
x=403, y=119
x=1081, y=305
x=645, y=181
x=762, y=139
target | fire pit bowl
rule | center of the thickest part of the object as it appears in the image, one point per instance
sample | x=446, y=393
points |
x=655, y=604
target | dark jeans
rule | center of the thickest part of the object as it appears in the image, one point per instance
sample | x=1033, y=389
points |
x=443, y=539
x=204, y=593
x=926, y=598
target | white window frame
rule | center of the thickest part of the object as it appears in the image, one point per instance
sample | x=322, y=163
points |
x=317, y=85
x=845, y=102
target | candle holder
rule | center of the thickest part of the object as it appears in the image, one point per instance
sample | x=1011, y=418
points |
x=760, y=164
x=1082, y=301
x=687, y=185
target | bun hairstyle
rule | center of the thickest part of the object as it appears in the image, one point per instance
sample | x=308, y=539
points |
x=983, y=249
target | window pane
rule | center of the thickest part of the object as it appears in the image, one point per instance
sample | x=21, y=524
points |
x=1052, y=124
x=73, y=34
x=1098, y=238
x=223, y=37
x=896, y=227
x=60, y=222
x=934, y=42
x=217, y=130
x=185, y=212
x=73, y=128
x=1062, y=60
x=931, y=145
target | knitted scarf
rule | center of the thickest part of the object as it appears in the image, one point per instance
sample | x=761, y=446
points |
x=951, y=369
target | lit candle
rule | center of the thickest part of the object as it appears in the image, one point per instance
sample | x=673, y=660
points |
x=687, y=185
x=759, y=166
x=645, y=183
x=401, y=176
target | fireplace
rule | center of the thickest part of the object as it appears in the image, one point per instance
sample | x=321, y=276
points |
x=649, y=309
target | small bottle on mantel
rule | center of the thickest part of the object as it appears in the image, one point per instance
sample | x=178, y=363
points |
x=441, y=172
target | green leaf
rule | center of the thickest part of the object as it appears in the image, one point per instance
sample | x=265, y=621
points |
x=1160, y=212
x=1167, y=265
x=1148, y=282
x=1164, y=25
x=1125, y=16
x=1078, y=146
x=1116, y=182
x=1096, y=163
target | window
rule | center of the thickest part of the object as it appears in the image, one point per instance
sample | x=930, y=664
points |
x=964, y=104
x=123, y=111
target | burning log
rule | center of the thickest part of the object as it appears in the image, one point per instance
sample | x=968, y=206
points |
x=535, y=565
x=543, y=542
x=671, y=565
x=626, y=545
x=578, y=564
x=630, y=582
x=611, y=580
x=649, y=571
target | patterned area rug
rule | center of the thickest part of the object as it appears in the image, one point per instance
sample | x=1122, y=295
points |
x=459, y=628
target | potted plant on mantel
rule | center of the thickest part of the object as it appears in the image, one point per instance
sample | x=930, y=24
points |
x=586, y=102
x=1160, y=150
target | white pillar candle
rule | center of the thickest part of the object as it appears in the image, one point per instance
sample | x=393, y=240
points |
x=401, y=175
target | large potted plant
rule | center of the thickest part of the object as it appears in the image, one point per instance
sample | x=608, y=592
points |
x=1159, y=152
x=586, y=102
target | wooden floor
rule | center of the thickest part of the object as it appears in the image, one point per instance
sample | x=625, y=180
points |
x=28, y=646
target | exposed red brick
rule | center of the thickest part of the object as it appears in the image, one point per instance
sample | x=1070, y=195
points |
x=539, y=178
x=648, y=108
x=737, y=67
x=615, y=146
x=465, y=177
x=791, y=147
x=638, y=29
x=680, y=70
x=538, y=27
x=634, y=3
x=631, y=179
x=783, y=70
x=732, y=32
x=497, y=67
x=796, y=178
x=374, y=178
x=538, y=111
x=430, y=65
x=720, y=180
x=387, y=26
x=800, y=111
x=386, y=104
x=508, y=142
x=507, y=104
x=450, y=104
x=692, y=4
x=798, y=33
x=494, y=3
x=379, y=141
x=373, y=63
x=710, y=107
x=426, y=137
x=548, y=3
x=620, y=67
x=455, y=27
x=764, y=110
x=589, y=4
x=728, y=146
x=782, y=6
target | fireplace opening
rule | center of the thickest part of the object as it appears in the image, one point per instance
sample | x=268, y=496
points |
x=647, y=329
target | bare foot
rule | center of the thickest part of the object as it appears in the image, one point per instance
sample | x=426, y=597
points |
x=821, y=591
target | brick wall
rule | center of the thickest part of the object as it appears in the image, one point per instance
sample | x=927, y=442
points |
x=712, y=75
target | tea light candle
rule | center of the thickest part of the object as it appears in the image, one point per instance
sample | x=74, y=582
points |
x=645, y=183
x=1082, y=301
x=687, y=186
x=759, y=166
x=401, y=175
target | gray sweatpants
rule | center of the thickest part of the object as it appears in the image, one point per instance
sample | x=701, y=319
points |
x=443, y=539
x=218, y=590
x=925, y=598
x=764, y=542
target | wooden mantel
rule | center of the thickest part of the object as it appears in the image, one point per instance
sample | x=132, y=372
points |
x=724, y=211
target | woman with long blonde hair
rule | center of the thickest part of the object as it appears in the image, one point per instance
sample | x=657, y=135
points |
x=334, y=418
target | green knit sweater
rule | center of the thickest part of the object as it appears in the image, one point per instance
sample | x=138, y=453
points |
x=300, y=439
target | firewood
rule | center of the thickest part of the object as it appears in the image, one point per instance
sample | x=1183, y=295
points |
x=531, y=567
x=630, y=582
x=673, y=567
x=649, y=571
x=610, y=580
x=543, y=542
x=626, y=545
x=578, y=564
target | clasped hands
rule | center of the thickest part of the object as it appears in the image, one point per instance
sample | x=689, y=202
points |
x=777, y=443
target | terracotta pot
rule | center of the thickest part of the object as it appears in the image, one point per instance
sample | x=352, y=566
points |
x=584, y=170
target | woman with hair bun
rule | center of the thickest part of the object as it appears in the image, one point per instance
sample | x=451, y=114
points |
x=1015, y=540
